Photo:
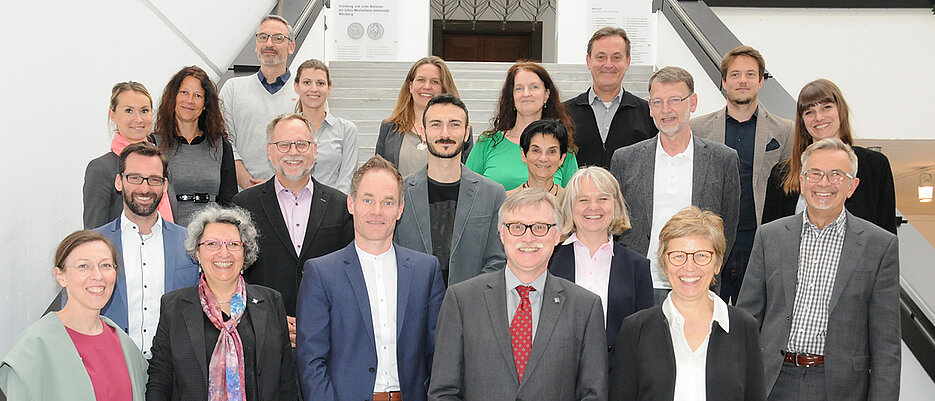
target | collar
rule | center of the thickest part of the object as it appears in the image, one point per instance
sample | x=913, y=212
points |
x=279, y=187
x=196, y=140
x=512, y=281
x=731, y=119
x=838, y=225
x=591, y=96
x=573, y=239
x=127, y=225
x=689, y=151
x=673, y=316
x=280, y=80
x=364, y=255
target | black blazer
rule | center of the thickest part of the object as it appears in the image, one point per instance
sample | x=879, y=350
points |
x=631, y=124
x=644, y=368
x=278, y=266
x=179, y=367
x=630, y=288
x=874, y=199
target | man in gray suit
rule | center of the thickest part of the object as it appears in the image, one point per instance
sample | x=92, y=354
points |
x=824, y=286
x=521, y=333
x=450, y=209
x=761, y=140
x=662, y=175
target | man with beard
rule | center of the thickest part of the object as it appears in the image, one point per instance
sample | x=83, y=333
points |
x=660, y=176
x=298, y=217
x=449, y=208
x=761, y=140
x=150, y=251
x=251, y=101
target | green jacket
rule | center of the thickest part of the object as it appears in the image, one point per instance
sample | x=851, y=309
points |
x=43, y=364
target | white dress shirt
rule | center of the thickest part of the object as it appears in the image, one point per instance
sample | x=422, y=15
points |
x=690, y=365
x=672, y=191
x=144, y=266
x=593, y=272
x=380, y=277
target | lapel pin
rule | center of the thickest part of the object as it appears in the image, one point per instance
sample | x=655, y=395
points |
x=255, y=301
x=555, y=299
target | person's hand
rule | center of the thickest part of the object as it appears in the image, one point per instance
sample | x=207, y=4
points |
x=290, y=322
x=254, y=182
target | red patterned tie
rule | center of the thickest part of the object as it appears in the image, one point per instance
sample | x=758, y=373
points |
x=521, y=330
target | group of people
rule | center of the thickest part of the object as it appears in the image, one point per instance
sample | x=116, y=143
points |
x=443, y=269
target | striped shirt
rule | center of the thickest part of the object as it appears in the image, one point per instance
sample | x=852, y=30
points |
x=819, y=254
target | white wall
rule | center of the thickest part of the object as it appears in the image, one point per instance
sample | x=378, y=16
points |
x=881, y=58
x=415, y=30
x=60, y=64
x=671, y=51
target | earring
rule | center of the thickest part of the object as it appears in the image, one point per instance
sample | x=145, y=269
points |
x=545, y=105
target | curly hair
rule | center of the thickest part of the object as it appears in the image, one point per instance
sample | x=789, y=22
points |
x=224, y=215
x=210, y=122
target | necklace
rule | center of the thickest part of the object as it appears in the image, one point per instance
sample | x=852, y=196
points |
x=526, y=185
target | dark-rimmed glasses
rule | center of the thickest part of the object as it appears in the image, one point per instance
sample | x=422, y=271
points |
x=138, y=179
x=815, y=175
x=277, y=38
x=300, y=146
x=671, y=102
x=213, y=245
x=701, y=258
x=538, y=229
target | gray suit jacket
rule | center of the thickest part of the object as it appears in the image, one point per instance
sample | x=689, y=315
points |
x=475, y=239
x=773, y=144
x=715, y=187
x=862, y=346
x=474, y=352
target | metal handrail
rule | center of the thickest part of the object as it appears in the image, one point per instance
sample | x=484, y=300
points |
x=695, y=32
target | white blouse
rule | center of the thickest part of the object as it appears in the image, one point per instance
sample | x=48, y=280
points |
x=690, y=365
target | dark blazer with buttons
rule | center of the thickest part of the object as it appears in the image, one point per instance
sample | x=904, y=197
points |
x=335, y=343
x=644, y=367
x=862, y=345
x=179, y=367
x=715, y=187
x=631, y=124
x=278, y=266
x=630, y=288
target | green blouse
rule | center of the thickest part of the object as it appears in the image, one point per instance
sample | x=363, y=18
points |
x=503, y=163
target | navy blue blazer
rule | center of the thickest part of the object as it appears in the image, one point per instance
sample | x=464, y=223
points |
x=335, y=345
x=630, y=288
x=181, y=270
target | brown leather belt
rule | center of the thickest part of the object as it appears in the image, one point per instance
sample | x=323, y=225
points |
x=388, y=396
x=804, y=359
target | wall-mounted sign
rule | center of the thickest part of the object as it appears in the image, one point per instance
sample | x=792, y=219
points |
x=636, y=17
x=366, y=30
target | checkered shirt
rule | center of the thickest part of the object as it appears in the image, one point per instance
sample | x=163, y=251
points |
x=819, y=254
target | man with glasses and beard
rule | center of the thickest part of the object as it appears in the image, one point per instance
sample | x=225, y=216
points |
x=450, y=209
x=298, y=217
x=150, y=251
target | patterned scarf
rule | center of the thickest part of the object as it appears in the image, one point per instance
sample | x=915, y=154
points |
x=225, y=370
x=165, y=210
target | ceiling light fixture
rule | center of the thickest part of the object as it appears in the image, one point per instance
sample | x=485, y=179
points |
x=926, y=187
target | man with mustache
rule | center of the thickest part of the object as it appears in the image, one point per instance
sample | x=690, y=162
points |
x=660, y=176
x=150, y=251
x=521, y=333
x=761, y=140
x=298, y=217
x=250, y=102
x=449, y=208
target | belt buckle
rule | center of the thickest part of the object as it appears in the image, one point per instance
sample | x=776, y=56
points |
x=795, y=359
x=201, y=198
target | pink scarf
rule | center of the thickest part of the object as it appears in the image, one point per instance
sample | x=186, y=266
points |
x=225, y=370
x=165, y=210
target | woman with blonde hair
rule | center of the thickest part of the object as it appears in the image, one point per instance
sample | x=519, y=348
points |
x=401, y=139
x=594, y=211
x=335, y=137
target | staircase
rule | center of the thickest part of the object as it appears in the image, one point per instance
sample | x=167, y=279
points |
x=366, y=92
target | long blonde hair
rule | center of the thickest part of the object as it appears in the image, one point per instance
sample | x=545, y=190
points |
x=403, y=114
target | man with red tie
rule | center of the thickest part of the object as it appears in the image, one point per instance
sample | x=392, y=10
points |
x=521, y=333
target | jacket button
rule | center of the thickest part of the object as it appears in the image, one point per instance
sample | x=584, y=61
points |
x=372, y=370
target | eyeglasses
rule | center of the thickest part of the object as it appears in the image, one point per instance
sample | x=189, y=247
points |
x=300, y=146
x=672, y=101
x=277, y=38
x=213, y=245
x=138, y=179
x=87, y=268
x=834, y=176
x=538, y=229
x=701, y=258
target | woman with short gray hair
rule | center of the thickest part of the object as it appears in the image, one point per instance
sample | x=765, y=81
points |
x=244, y=325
